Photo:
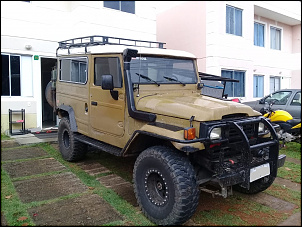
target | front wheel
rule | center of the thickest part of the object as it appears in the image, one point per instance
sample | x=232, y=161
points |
x=71, y=149
x=256, y=186
x=165, y=186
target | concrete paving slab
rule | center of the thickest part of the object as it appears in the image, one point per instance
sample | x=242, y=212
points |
x=270, y=201
x=293, y=160
x=111, y=180
x=85, y=210
x=9, y=144
x=294, y=220
x=32, y=167
x=33, y=140
x=126, y=191
x=49, y=187
x=3, y=220
x=24, y=153
x=288, y=184
x=120, y=186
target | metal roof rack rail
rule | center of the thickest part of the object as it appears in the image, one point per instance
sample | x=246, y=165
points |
x=96, y=40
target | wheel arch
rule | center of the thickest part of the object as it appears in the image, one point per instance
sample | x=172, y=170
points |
x=67, y=111
x=135, y=146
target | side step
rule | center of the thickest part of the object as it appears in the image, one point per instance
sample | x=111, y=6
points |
x=99, y=145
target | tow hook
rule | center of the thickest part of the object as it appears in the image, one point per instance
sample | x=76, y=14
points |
x=225, y=191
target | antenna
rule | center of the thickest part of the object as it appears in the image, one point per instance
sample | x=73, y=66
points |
x=139, y=71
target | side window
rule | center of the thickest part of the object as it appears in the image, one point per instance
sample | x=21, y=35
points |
x=106, y=66
x=296, y=100
x=73, y=70
x=280, y=98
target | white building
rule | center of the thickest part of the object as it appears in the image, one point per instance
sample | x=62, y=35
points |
x=256, y=42
x=30, y=31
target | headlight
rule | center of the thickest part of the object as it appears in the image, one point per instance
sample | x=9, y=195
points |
x=261, y=127
x=215, y=134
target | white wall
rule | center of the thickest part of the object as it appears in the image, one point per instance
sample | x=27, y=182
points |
x=42, y=24
x=219, y=50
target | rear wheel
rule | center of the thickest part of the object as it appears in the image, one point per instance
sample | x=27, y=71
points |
x=71, y=149
x=165, y=186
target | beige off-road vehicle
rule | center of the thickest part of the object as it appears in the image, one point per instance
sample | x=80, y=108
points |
x=136, y=98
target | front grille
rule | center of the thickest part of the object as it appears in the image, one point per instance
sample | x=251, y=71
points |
x=234, y=136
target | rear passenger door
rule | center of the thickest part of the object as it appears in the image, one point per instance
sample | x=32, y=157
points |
x=106, y=113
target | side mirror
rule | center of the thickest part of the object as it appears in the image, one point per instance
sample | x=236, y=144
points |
x=107, y=84
x=261, y=101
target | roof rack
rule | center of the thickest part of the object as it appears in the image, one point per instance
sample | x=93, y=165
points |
x=206, y=76
x=96, y=40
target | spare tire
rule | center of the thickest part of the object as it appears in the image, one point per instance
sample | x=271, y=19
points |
x=50, y=95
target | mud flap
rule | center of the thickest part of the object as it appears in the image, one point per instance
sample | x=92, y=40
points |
x=281, y=160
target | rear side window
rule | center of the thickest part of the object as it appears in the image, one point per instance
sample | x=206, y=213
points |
x=73, y=69
x=297, y=99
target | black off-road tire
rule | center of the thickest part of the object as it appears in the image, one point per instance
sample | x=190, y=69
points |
x=71, y=149
x=256, y=186
x=165, y=186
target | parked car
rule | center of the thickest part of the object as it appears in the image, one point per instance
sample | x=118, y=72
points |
x=285, y=99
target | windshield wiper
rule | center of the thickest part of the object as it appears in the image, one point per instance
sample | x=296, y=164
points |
x=147, y=78
x=173, y=79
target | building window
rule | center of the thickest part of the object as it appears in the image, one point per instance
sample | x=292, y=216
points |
x=274, y=83
x=16, y=75
x=258, y=86
x=275, y=34
x=125, y=6
x=73, y=70
x=233, y=20
x=259, y=34
x=234, y=89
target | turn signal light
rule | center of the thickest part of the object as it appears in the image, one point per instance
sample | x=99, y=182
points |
x=189, y=133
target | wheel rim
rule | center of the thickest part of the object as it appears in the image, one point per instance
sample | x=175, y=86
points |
x=156, y=187
x=66, y=139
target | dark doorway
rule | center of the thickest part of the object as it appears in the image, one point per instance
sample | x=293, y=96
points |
x=48, y=116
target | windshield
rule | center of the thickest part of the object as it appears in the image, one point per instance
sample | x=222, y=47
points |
x=159, y=70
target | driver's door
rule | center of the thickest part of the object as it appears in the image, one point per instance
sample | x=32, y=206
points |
x=106, y=113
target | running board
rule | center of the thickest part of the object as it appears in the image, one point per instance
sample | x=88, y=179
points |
x=99, y=145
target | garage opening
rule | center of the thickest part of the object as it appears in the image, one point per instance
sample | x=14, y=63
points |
x=49, y=118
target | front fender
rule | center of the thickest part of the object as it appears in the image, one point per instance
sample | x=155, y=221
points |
x=72, y=120
x=151, y=135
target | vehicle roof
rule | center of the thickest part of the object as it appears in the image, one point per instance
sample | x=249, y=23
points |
x=287, y=89
x=118, y=49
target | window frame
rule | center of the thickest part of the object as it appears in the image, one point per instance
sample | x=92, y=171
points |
x=73, y=58
x=264, y=32
x=119, y=68
x=21, y=87
x=120, y=6
x=255, y=86
x=294, y=99
x=270, y=36
x=279, y=79
x=232, y=83
x=235, y=21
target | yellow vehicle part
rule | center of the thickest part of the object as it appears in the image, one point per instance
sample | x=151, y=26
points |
x=297, y=126
x=280, y=115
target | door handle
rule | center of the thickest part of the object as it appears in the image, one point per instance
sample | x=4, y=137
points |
x=94, y=103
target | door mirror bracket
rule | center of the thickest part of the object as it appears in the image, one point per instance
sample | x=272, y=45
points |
x=107, y=84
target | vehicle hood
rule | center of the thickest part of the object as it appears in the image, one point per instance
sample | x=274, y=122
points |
x=184, y=106
x=251, y=103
